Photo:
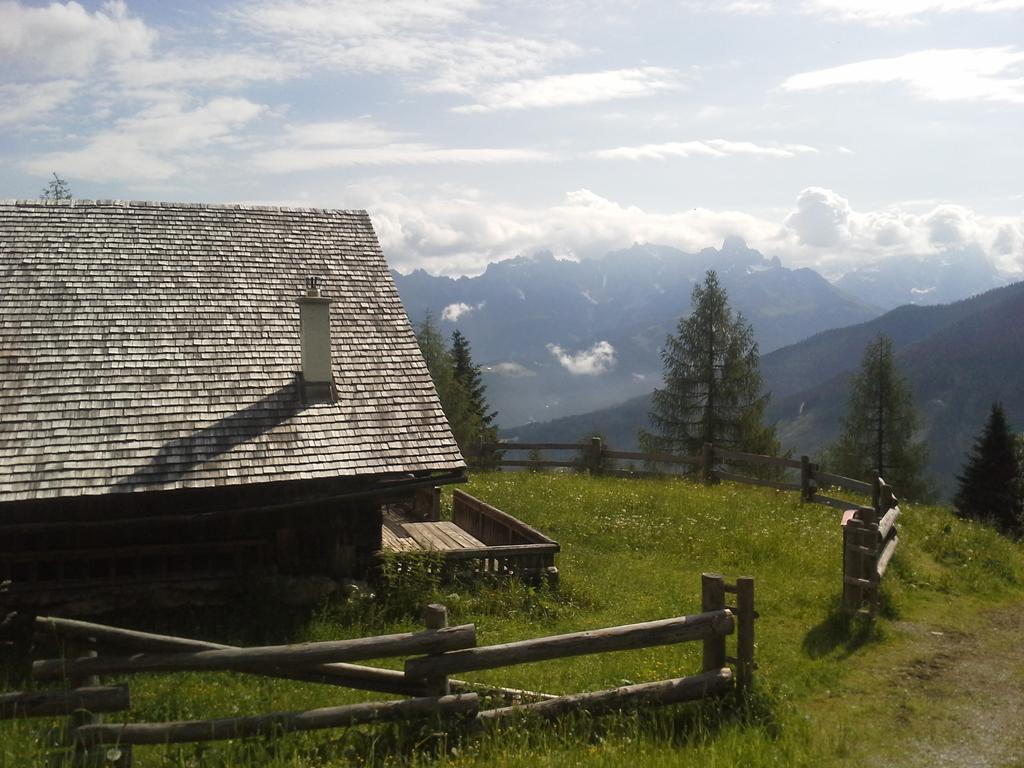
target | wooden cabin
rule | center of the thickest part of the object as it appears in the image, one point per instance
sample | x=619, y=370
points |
x=189, y=393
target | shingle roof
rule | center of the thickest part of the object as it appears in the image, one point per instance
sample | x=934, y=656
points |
x=148, y=346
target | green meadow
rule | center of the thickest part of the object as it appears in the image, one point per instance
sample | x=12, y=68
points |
x=928, y=677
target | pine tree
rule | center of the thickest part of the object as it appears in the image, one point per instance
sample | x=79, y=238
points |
x=879, y=425
x=58, y=189
x=712, y=390
x=990, y=487
x=464, y=415
x=467, y=374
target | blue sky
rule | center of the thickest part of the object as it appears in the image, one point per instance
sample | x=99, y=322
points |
x=829, y=133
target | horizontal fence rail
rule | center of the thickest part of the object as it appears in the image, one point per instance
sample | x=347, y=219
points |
x=277, y=723
x=245, y=659
x=645, y=635
x=597, y=458
x=424, y=678
x=49, y=703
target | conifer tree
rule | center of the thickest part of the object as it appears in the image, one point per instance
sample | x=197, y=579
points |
x=879, y=425
x=58, y=189
x=458, y=385
x=712, y=391
x=990, y=486
x=467, y=374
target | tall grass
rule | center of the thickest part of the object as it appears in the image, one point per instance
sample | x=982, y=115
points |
x=632, y=550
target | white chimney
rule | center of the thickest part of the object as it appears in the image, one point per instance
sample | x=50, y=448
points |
x=315, y=320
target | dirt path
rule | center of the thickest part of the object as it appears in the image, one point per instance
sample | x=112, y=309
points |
x=964, y=702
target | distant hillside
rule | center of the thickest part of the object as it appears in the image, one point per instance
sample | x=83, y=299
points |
x=958, y=358
x=559, y=337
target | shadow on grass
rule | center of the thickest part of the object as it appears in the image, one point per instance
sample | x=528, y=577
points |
x=840, y=630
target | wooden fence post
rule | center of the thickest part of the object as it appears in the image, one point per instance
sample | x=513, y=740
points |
x=84, y=756
x=852, y=593
x=596, y=455
x=745, y=632
x=807, y=485
x=712, y=598
x=707, y=457
x=435, y=616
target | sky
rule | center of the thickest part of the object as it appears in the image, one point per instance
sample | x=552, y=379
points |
x=830, y=133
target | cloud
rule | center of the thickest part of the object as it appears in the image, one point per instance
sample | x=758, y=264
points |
x=453, y=312
x=952, y=74
x=21, y=104
x=575, y=89
x=441, y=43
x=821, y=217
x=66, y=39
x=510, y=370
x=458, y=231
x=599, y=359
x=886, y=11
x=228, y=70
x=708, y=148
x=454, y=230
x=340, y=133
x=875, y=12
x=290, y=160
x=827, y=233
x=152, y=145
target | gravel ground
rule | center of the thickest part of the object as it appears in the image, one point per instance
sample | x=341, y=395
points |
x=974, y=685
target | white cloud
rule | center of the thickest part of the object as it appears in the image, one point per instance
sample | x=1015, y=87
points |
x=821, y=217
x=875, y=12
x=65, y=39
x=599, y=359
x=290, y=160
x=708, y=148
x=575, y=89
x=458, y=231
x=340, y=133
x=228, y=70
x=152, y=145
x=439, y=42
x=884, y=11
x=347, y=19
x=21, y=104
x=827, y=233
x=453, y=312
x=952, y=74
x=510, y=370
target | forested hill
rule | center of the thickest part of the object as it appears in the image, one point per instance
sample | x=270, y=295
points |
x=958, y=358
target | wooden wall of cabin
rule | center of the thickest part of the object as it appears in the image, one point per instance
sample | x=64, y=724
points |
x=51, y=547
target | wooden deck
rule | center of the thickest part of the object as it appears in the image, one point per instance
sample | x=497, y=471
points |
x=478, y=536
x=400, y=535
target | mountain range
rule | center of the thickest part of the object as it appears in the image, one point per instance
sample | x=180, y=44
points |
x=557, y=337
x=958, y=358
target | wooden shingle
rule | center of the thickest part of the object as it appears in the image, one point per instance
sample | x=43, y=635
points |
x=151, y=346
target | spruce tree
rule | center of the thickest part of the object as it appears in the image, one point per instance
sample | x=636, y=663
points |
x=58, y=189
x=990, y=488
x=467, y=374
x=712, y=391
x=454, y=400
x=879, y=425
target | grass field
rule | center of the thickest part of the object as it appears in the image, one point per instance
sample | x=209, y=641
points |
x=828, y=693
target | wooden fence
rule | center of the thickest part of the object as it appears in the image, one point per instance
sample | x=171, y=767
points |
x=869, y=532
x=715, y=463
x=436, y=653
x=870, y=539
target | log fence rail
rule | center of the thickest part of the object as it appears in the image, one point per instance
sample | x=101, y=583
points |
x=432, y=655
